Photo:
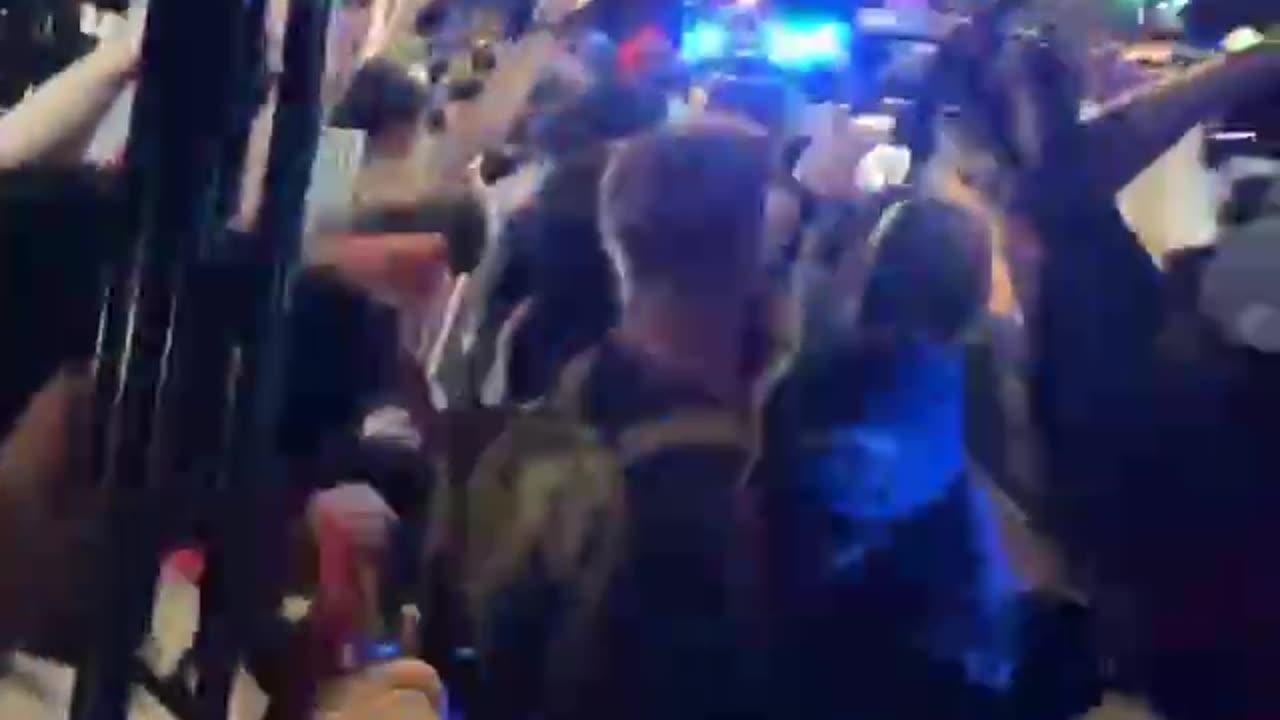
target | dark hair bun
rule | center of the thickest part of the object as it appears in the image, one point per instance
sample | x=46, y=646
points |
x=381, y=95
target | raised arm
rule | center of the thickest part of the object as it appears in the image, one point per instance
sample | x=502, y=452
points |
x=57, y=121
x=1130, y=132
x=387, y=19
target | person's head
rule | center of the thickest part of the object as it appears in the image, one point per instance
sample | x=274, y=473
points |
x=682, y=212
x=598, y=53
x=387, y=103
x=907, y=271
x=605, y=113
x=767, y=102
x=932, y=274
x=647, y=57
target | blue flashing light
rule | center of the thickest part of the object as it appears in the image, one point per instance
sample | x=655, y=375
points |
x=794, y=45
x=806, y=44
x=704, y=41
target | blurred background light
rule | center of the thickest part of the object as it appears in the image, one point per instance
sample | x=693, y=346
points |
x=789, y=44
x=806, y=44
x=704, y=41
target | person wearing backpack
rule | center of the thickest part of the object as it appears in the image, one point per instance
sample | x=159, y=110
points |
x=594, y=559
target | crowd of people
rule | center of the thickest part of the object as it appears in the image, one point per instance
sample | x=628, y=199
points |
x=651, y=407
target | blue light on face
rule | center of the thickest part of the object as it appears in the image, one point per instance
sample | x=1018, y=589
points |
x=704, y=41
x=806, y=45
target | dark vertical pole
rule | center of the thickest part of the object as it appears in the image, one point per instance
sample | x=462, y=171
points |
x=295, y=136
x=188, y=360
x=173, y=162
x=241, y=588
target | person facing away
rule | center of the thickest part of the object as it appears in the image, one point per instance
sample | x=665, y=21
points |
x=682, y=215
x=885, y=568
x=668, y=631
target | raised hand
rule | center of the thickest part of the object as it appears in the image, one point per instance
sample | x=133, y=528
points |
x=828, y=167
x=124, y=48
x=354, y=509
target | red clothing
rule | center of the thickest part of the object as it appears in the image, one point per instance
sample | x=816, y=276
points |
x=644, y=51
x=187, y=562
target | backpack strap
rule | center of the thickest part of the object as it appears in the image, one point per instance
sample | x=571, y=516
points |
x=570, y=393
x=683, y=429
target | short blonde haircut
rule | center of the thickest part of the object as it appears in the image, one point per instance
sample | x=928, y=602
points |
x=682, y=208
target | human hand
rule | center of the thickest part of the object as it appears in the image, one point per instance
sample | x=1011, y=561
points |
x=351, y=525
x=122, y=50
x=402, y=688
x=355, y=511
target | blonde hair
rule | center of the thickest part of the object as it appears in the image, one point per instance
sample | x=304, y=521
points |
x=684, y=207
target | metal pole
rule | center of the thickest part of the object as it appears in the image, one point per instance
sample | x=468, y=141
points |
x=176, y=150
x=240, y=595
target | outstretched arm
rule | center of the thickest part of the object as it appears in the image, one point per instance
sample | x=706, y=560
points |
x=57, y=121
x=1131, y=132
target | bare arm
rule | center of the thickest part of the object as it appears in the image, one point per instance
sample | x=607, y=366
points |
x=388, y=18
x=1134, y=130
x=57, y=122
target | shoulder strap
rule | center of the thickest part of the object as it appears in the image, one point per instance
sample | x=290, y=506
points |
x=683, y=429
x=570, y=393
